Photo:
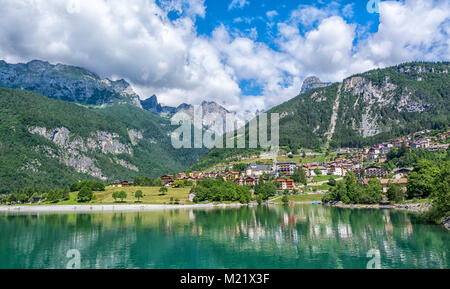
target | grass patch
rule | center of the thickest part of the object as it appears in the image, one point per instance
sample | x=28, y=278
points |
x=151, y=195
x=324, y=178
x=303, y=198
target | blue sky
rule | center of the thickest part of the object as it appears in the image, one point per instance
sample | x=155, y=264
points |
x=247, y=55
x=262, y=15
x=255, y=15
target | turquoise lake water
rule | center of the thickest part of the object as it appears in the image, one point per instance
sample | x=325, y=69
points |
x=302, y=236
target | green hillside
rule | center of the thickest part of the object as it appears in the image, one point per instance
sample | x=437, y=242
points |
x=47, y=143
x=368, y=108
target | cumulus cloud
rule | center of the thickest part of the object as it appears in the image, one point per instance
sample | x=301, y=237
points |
x=130, y=39
x=238, y=4
x=136, y=40
x=417, y=29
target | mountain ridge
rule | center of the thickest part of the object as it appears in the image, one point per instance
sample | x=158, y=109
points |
x=46, y=142
x=372, y=107
x=66, y=82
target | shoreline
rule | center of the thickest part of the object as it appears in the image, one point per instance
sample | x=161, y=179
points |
x=153, y=207
x=106, y=208
x=419, y=208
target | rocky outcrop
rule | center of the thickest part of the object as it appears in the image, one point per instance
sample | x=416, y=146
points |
x=73, y=150
x=135, y=136
x=65, y=82
x=312, y=83
x=446, y=223
x=102, y=141
x=151, y=104
x=127, y=165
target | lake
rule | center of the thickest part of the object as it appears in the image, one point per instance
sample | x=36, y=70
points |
x=267, y=237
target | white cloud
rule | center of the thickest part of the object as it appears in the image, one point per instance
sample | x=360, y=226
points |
x=130, y=39
x=137, y=41
x=416, y=29
x=238, y=4
x=271, y=14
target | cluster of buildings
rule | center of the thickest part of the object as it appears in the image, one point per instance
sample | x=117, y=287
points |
x=353, y=162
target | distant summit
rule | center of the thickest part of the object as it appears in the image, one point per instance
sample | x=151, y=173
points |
x=67, y=83
x=313, y=82
x=151, y=104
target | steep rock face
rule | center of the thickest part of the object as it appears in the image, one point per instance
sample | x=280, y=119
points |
x=211, y=113
x=210, y=110
x=68, y=83
x=446, y=223
x=151, y=104
x=74, y=151
x=47, y=143
x=369, y=107
x=312, y=82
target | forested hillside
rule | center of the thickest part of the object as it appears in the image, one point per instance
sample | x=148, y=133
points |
x=47, y=143
x=364, y=109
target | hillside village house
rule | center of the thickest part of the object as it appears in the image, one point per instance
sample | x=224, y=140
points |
x=210, y=175
x=167, y=180
x=181, y=176
x=312, y=171
x=286, y=184
x=254, y=170
x=195, y=175
x=401, y=172
x=122, y=183
x=337, y=171
x=231, y=176
x=403, y=182
x=375, y=172
x=287, y=168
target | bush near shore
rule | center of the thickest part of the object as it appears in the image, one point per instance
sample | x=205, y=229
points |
x=428, y=180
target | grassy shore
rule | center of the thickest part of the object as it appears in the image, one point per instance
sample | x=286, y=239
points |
x=152, y=196
x=302, y=198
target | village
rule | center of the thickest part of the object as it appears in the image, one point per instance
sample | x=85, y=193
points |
x=366, y=163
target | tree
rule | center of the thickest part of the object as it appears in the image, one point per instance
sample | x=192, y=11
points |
x=54, y=196
x=299, y=176
x=115, y=196
x=163, y=191
x=266, y=190
x=139, y=195
x=259, y=199
x=372, y=193
x=240, y=167
x=318, y=172
x=85, y=195
x=122, y=195
x=440, y=196
x=395, y=193
x=285, y=199
x=421, y=180
x=332, y=182
x=66, y=194
x=12, y=198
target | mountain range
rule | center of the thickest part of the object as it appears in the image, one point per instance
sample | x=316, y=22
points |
x=60, y=123
x=362, y=110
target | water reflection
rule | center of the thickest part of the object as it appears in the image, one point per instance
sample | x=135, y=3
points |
x=260, y=237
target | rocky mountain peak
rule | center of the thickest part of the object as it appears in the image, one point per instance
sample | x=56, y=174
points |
x=65, y=82
x=312, y=82
x=151, y=104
